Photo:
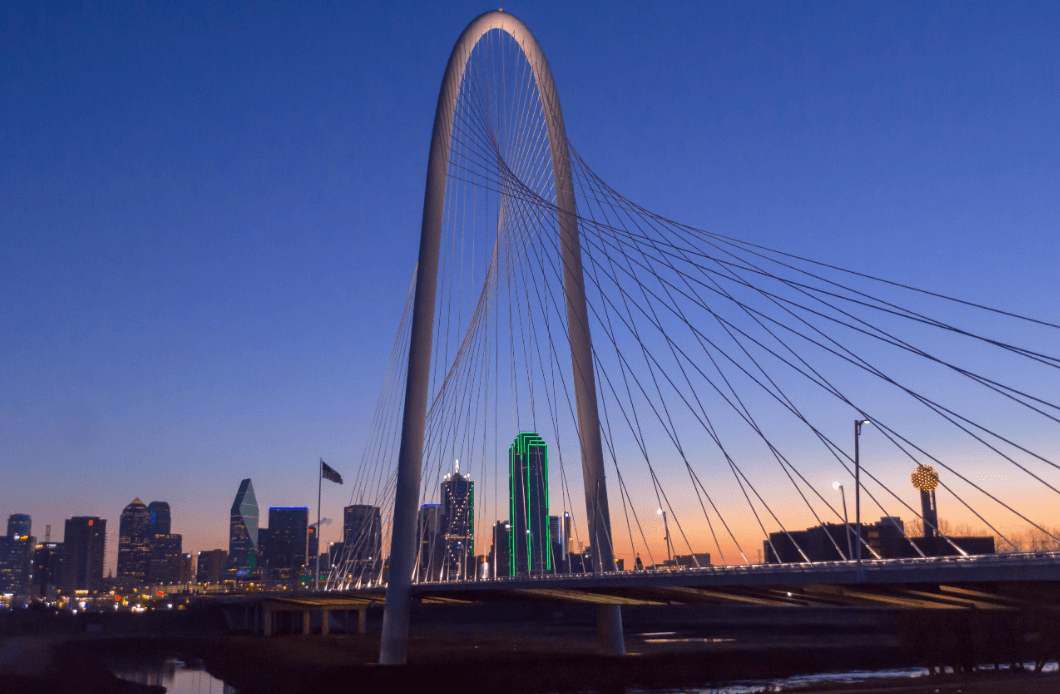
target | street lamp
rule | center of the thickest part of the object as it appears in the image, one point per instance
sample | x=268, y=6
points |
x=857, y=482
x=666, y=528
x=846, y=523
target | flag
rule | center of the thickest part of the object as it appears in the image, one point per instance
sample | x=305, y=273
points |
x=329, y=474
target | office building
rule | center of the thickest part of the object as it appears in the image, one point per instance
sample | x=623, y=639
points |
x=458, y=518
x=84, y=547
x=499, y=552
x=286, y=552
x=134, y=547
x=559, y=531
x=362, y=543
x=16, y=555
x=166, y=557
x=529, y=540
x=47, y=569
x=211, y=566
x=243, y=531
x=431, y=544
x=159, y=521
x=19, y=525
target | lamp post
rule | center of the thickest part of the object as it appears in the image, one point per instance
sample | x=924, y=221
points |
x=857, y=482
x=846, y=522
x=666, y=528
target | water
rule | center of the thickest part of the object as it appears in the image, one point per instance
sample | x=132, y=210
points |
x=805, y=681
x=175, y=675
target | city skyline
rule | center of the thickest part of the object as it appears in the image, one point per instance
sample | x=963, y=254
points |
x=162, y=317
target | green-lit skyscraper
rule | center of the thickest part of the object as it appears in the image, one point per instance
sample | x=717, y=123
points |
x=529, y=541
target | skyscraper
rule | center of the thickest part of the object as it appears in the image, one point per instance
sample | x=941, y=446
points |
x=559, y=529
x=458, y=518
x=159, y=523
x=134, y=546
x=211, y=566
x=429, y=532
x=84, y=545
x=362, y=540
x=19, y=525
x=47, y=568
x=288, y=539
x=16, y=555
x=243, y=531
x=529, y=540
x=165, y=561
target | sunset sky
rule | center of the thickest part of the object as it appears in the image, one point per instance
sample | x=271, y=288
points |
x=210, y=211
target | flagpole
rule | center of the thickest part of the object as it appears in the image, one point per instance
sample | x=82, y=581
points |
x=320, y=484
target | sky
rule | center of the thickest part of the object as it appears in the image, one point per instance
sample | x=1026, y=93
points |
x=209, y=212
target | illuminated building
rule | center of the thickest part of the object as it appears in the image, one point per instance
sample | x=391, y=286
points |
x=529, y=542
x=458, y=524
x=243, y=531
x=288, y=531
x=165, y=561
x=559, y=530
x=47, y=569
x=429, y=532
x=84, y=546
x=211, y=565
x=134, y=545
x=16, y=555
x=19, y=525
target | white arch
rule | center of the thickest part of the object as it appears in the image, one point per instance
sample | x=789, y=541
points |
x=403, y=539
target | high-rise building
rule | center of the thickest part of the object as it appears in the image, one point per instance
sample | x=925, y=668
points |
x=47, y=568
x=362, y=532
x=19, y=525
x=288, y=532
x=529, y=540
x=312, y=543
x=84, y=546
x=458, y=518
x=431, y=544
x=211, y=566
x=16, y=555
x=159, y=522
x=243, y=531
x=498, y=559
x=559, y=529
x=134, y=545
x=165, y=561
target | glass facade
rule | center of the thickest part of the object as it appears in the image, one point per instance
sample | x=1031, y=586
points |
x=243, y=531
x=529, y=542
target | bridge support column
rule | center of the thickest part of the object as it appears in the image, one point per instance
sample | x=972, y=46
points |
x=609, y=630
x=305, y=622
x=362, y=621
x=325, y=615
x=268, y=617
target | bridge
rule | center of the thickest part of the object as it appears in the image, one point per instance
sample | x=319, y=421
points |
x=717, y=395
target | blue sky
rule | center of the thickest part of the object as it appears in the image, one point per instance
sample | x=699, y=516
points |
x=210, y=211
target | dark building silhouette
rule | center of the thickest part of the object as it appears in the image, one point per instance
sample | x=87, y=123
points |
x=243, y=531
x=312, y=547
x=885, y=538
x=362, y=542
x=134, y=546
x=499, y=552
x=458, y=525
x=559, y=530
x=431, y=539
x=16, y=555
x=286, y=550
x=19, y=525
x=159, y=524
x=166, y=557
x=211, y=566
x=84, y=547
x=529, y=540
x=47, y=568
